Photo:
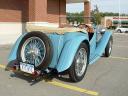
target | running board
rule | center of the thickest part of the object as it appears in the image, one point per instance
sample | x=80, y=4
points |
x=95, y=58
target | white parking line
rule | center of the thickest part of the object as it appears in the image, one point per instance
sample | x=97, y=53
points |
x=120, y=33
x=2, y=66
x=122, y=58
x=120, y=46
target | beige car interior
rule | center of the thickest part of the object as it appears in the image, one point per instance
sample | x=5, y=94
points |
x=45, y=29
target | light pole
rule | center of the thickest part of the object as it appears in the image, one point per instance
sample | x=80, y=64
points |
x=119, y=22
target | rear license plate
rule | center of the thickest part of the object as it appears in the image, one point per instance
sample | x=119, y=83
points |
x=28, y=68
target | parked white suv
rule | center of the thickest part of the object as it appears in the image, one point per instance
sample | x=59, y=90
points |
x=122, y=29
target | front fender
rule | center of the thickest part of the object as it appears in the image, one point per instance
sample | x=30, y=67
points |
x=13, y=54
x=101, y=45
x=68, y=52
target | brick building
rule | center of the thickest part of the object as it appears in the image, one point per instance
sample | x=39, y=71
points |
x=109, y=21
x=15, y=14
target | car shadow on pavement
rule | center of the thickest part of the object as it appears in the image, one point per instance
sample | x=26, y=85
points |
x=46, y=77
x=33, y=80
x=64, y=77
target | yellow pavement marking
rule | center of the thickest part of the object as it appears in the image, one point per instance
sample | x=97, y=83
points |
x=66, y=86
x=74, y=88
x=2, y=66
x=122, y=58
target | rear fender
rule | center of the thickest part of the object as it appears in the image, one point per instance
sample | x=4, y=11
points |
x=13, y=54
x=68, y=52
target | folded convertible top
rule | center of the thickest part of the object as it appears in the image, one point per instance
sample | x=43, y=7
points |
x=45, y=29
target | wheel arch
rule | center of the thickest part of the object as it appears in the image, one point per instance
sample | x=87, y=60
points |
x=68, y=52
x=88, y=45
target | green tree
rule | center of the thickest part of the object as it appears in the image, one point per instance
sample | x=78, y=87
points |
x=96, y=16
x=75, y=17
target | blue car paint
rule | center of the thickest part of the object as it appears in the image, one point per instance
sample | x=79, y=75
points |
x=101, y=45
x=93, y=45
x=65, y=47
x=13, y=54
x=57, y=43
x=71, y=45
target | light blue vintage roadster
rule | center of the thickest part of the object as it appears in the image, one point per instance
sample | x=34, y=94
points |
x=43, y=50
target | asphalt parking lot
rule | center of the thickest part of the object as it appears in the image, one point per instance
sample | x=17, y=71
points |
x=107, y=77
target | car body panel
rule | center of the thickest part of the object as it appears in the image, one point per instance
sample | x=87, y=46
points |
x=13, y=54
x=100, y=48
x=70, y=48
x=65, y=47
x=93, y=45
x=59, y=44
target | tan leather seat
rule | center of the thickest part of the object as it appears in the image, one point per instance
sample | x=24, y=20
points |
x=45, y=29
x=90, y=29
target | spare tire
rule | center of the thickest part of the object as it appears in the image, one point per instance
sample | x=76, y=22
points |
x=36, y=49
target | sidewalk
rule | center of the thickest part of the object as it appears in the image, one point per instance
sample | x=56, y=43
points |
x=4, y=52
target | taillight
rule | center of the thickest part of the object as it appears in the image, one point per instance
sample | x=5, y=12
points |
x=14, y=68
x=36, y=73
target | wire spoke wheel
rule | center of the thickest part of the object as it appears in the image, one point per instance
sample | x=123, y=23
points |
x=81, y=62
x=33, y=51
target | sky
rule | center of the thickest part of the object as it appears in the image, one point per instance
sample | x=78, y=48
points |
x=103, y=5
